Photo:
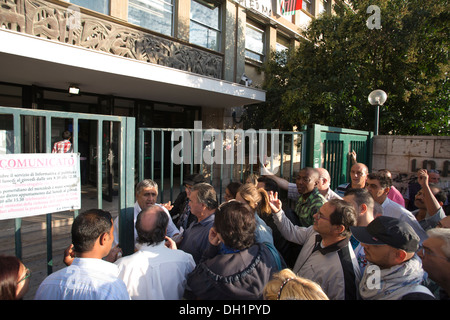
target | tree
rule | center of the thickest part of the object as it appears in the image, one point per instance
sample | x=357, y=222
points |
x=327, y=79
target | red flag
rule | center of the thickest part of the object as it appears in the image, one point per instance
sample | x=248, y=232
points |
x=290, y=6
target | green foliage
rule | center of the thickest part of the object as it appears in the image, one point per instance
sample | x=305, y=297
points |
x=327, y=80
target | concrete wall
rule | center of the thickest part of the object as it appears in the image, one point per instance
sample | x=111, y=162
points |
x=404, y=155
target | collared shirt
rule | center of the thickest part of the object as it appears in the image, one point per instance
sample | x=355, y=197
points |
x=393, y=209
x=84, y=279
x=396, y=196
x=171, y=228
x=334, y=267
x=64, y=146
x=306, y=208
x=195, y=238
x=156, y=272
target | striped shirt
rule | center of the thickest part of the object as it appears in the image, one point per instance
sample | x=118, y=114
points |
x=306, y=208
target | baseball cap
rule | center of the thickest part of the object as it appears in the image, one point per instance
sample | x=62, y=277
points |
x=390, y=231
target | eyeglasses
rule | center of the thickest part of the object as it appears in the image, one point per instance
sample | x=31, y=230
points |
x=321, y=216
x=427, y=252
x=27, y=275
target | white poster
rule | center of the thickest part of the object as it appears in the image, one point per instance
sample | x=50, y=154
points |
x=39, y=183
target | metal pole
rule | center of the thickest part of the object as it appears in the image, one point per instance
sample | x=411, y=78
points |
x=377, y=119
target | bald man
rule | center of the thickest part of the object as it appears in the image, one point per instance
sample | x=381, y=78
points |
x=154, y=271
x=358, y=175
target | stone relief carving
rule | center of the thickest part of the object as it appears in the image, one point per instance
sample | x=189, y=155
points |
x=50, y=21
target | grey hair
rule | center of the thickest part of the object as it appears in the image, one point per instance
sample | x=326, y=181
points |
x=444, y=234
x=206, y=195
x=147, y=183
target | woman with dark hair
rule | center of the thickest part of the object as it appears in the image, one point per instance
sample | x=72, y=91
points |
x=231, y=190
x=234, y=266
x=14, y=278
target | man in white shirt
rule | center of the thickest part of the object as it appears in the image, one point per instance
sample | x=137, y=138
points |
x=379, y=184
x=146, y=196
x=88, y=277
x=155, y=272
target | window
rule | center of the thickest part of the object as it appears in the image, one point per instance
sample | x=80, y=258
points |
x=101, y=6
x=156, y=15
x=279, y=47
x=282, y=43
x=254, y=43
x=307, y=6
x=205, y=25
x=325, y=7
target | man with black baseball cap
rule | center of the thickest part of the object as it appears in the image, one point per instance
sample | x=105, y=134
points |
x=181, y=212
x=394, y=271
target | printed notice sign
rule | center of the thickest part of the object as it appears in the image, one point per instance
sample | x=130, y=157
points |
x=39, y=183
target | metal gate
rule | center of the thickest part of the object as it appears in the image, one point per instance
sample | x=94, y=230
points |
x=241, y=153
x=19, y=122
x=328, y=147
x=316, y=146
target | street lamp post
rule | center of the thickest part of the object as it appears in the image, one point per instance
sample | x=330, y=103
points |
x=377, y=97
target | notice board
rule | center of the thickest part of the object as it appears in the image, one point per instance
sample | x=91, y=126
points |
x=39, y=183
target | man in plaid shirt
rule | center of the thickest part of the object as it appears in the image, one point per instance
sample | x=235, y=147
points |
x=64, y=146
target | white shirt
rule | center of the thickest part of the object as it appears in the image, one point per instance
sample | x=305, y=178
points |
x=156, y=272
x=171, y=228
x=85, y=279
x=393, y=209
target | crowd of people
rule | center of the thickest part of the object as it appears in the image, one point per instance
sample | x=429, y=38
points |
x=357, y=242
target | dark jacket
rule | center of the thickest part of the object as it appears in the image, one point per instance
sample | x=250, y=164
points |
x=240, y=275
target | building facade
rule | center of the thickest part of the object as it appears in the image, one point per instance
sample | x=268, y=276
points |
x=178, y=60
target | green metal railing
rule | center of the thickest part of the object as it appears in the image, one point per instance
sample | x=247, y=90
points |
x=316, y=146
x=126, y=163
x=239, y=158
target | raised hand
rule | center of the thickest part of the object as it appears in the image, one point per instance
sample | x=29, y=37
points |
x=274, y=202
x=167, y=205
x=422, y=177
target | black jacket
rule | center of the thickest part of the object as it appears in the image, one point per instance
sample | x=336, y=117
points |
x=240, y=275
